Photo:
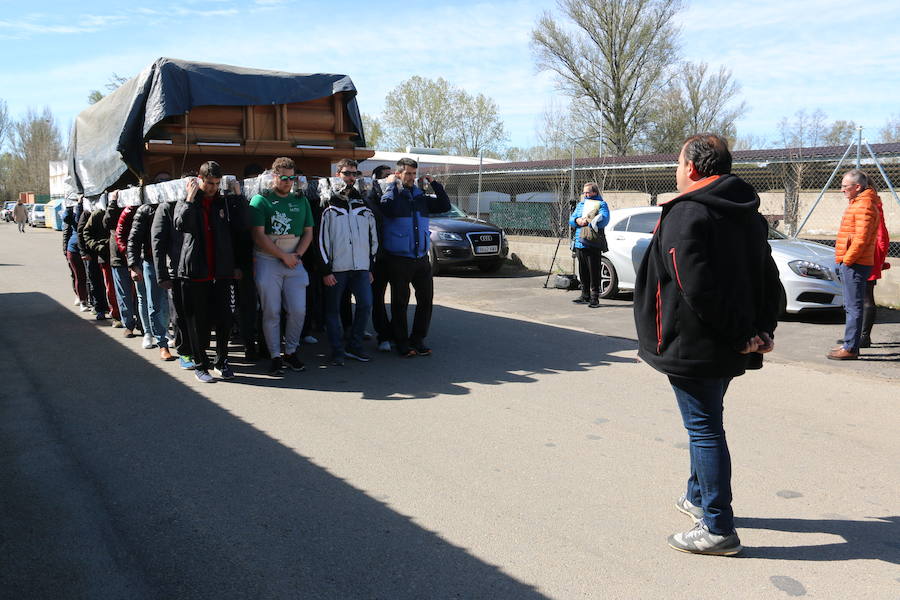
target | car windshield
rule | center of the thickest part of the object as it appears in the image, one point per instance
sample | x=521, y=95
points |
x=455, y=212
x=774, y=234
x=39, y=208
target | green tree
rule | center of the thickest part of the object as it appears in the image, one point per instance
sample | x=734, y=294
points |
x=374, y=131
x=614, y=62
x=840, y=133
x=419, y=112
x=433, y=113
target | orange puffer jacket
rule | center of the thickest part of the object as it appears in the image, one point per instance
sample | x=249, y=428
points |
x=859, y=227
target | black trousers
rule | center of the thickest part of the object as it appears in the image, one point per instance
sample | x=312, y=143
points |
x=207, y=304
x=380, y=320
x=403, y=272
x=247, y=307
x=589, y=270
x=96, y=287
x=182, y=337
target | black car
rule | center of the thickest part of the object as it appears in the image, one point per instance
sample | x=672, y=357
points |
x=458, y=240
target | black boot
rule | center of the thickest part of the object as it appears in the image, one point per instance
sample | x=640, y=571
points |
x=595, y=301
x=581, y=300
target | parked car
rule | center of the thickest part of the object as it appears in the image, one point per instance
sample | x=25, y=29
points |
x=806, y=269
x=458, y=239
x=36, y=215
x=6, y=213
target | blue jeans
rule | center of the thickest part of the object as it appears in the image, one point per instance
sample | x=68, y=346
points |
x=153, y=305
x=853, y=281
x=709, y=486
x=359, y=284
x=124, y=296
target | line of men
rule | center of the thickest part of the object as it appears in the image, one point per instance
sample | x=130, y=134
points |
x=204, y=258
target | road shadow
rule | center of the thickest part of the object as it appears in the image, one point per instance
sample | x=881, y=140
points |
x=835, y=316
x=878, y=539
x=121, y=482
x=469, y=348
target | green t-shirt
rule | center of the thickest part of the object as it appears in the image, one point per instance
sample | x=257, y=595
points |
x=280, y=216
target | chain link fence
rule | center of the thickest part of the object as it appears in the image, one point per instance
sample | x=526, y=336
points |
x=535, y=199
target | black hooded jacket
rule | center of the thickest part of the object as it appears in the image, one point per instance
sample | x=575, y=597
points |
x=707, y=283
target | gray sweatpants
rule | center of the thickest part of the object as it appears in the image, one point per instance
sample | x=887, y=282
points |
x=280, y=288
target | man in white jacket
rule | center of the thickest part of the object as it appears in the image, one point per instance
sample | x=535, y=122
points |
x=348, y=241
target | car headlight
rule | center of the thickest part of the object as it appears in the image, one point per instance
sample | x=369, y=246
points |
x=805, y=268
x=449, y=236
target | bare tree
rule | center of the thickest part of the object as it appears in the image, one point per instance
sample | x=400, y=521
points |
x=615, y=61
x=805, y=131
x=891, y=130
x=695, y=101
x=4, y=124
x=749, y=142
x=114, y=82
x=35, y=140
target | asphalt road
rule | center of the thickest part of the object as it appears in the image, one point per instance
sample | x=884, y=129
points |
x=533, y=456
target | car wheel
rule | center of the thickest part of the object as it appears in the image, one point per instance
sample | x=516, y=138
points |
x=609, y=281
x=490, y=267
x=435, y=266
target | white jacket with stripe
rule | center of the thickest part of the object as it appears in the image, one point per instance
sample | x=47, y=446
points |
x=348, y=238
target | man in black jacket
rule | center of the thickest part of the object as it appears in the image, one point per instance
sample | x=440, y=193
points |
x=380, y=319
x=208, y=267
x=705, y=306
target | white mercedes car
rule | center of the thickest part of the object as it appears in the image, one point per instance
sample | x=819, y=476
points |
x=806, y=269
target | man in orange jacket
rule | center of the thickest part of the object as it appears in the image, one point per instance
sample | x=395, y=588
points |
x=854, y=254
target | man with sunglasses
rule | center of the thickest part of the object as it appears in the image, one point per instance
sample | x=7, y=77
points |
x=348, y=241
x=282, y=229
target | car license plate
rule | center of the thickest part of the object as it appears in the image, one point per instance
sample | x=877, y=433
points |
x=487, y=249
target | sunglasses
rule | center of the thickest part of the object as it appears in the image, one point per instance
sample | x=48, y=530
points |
x=289, y=177
x=351, y=173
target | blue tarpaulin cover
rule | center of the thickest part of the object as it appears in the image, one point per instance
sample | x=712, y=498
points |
x=108, y=137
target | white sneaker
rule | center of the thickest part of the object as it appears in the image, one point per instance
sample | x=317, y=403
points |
x=384, y=346
x=310, y=340
x=149, y=342
x=85, y=307
x=77, y=302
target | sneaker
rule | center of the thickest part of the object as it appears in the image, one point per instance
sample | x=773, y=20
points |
x=693, y=511
x=186, y=363
x=223, y=372
x=77, y=302
x=292, y=361
x=581, y=300
x=594, y=303
x=310, y=340
x=85, y=307
x=117, y=324
x=700, y=540
x=129, y=333
x=407, y=352
x=101, y=316
x=276, y=367
x=203, y=376
x=422, y=350
x=384, y=346
x=337, y=361
x=368, y=335
x=358, y=355
x=149, y=342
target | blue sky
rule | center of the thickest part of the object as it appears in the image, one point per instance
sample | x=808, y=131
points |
x=786, y=55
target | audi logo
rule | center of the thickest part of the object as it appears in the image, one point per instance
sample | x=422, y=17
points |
x=485, y=238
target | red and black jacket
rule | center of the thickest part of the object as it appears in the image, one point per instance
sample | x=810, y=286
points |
x=707, y=283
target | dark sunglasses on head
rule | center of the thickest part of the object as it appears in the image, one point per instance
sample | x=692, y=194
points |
x=289, y=177
x=352, y=173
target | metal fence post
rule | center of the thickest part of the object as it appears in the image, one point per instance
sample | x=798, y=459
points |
x=478, y=201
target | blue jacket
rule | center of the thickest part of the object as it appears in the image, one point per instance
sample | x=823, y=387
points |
x=405, y=212
x=577, y=241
